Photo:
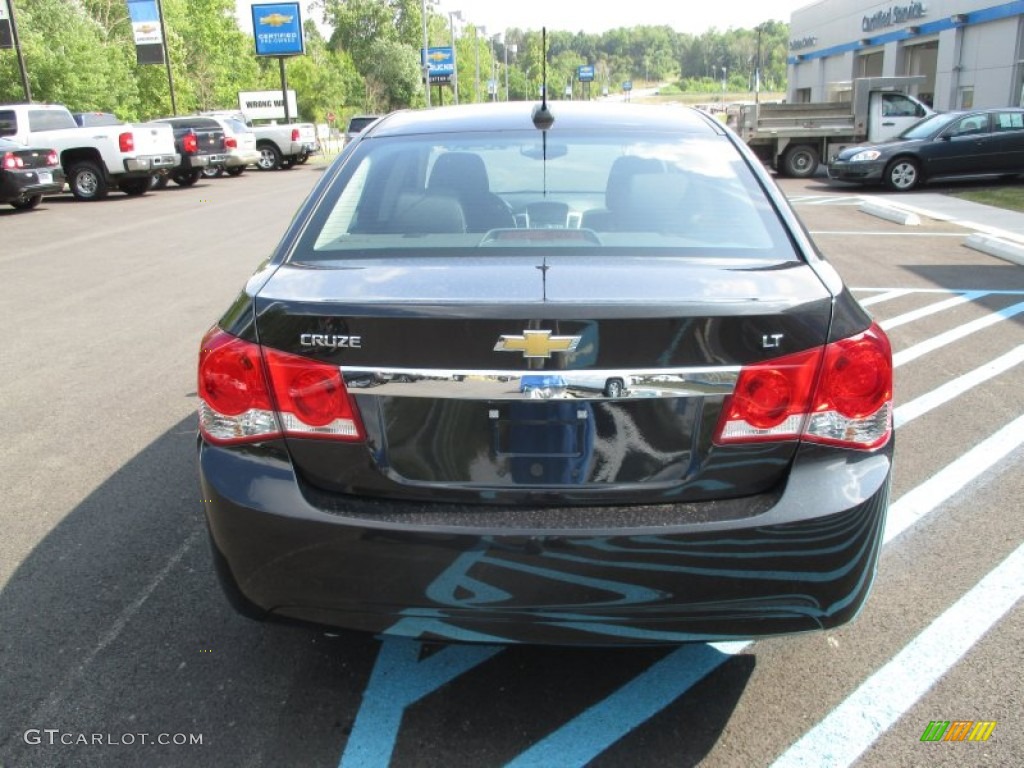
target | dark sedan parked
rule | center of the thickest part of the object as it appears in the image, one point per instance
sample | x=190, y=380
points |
x=976, y=143
x=736, y=487
x=28, y=173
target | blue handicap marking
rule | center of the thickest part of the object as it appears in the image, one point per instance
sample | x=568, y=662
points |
x=589, y=734
x=400, y=678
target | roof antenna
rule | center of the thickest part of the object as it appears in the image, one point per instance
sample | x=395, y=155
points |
x=542, y=117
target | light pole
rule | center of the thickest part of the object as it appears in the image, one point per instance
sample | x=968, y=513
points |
x=476, y=47
x=515, y=50
x=426, y=47
x=452, y=15
x=492, y=84
x=757, y=66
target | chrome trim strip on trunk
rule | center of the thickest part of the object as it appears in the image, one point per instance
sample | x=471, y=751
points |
x=609, y=384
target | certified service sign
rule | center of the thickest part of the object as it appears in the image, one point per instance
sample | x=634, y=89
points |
x=277, y=28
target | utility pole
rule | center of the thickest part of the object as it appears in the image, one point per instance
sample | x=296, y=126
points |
x=452, y=15
x=757, y=66
x=9, y=6
x=476, y=47
x=426, y=47
x=167, y=60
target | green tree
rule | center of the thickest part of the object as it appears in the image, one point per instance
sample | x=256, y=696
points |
x=392, y=73
x=70, y=59
x=324, y=81
x=210, y=55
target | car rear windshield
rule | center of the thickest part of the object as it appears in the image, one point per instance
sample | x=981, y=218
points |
x=356, y=124
x=636, y=193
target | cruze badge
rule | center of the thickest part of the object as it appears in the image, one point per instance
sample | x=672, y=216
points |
x=537, y=344
x=327, y=340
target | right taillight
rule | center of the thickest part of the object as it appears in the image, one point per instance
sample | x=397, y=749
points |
x=840, y=396
x=853, y=404
x=249, y=393
x=311, y=397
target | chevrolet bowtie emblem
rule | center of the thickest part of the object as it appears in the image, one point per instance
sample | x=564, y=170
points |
x=537, y=343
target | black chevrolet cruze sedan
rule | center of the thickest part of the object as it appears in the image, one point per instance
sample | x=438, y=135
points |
x=371, y=455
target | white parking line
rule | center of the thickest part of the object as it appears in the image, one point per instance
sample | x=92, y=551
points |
x=894, y=233
x=943, y=339
x=849, y=729
x=903, y=291
x=931, y=309
x=887, y=296
x=826, y=200
x=951, y=389
x=916, y=503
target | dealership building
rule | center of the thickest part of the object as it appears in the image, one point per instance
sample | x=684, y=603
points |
x=969, y=54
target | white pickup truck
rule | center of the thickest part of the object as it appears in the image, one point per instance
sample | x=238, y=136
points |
x=95, y=159
x=281, y=145
x=284, y=145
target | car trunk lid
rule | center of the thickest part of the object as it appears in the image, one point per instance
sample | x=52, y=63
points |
x=549, y=380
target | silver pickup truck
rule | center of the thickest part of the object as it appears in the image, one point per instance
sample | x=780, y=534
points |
x=97, y=158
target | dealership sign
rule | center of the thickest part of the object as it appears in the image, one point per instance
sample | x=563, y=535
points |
x=440, y=63
x=896, y=14
x=6, y=37
x=277, y=28
x=146, y=29
x=266, y=105
x=803, y=42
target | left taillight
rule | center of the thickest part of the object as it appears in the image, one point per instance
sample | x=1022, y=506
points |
x=126, y=142
x=234, y=399
x=295, y=134
x=841, y=395
x=190, y=144
x=248, y=394
x=11, y=161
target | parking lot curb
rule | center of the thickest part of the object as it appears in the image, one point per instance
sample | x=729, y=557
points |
x=890, y=213
x=996, y=246
x=968, y=219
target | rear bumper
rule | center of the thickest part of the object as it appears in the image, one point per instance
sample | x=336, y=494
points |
x=243, y=157
x=196, y=162
x=23, y=184
x=428, y=570
x=151, y=163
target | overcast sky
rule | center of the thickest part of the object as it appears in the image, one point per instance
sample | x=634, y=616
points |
x=595, y=16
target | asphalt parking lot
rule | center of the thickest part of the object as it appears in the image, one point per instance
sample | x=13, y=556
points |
x=118, y=648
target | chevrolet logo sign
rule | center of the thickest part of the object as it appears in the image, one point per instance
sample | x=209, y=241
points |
x=537, y=344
